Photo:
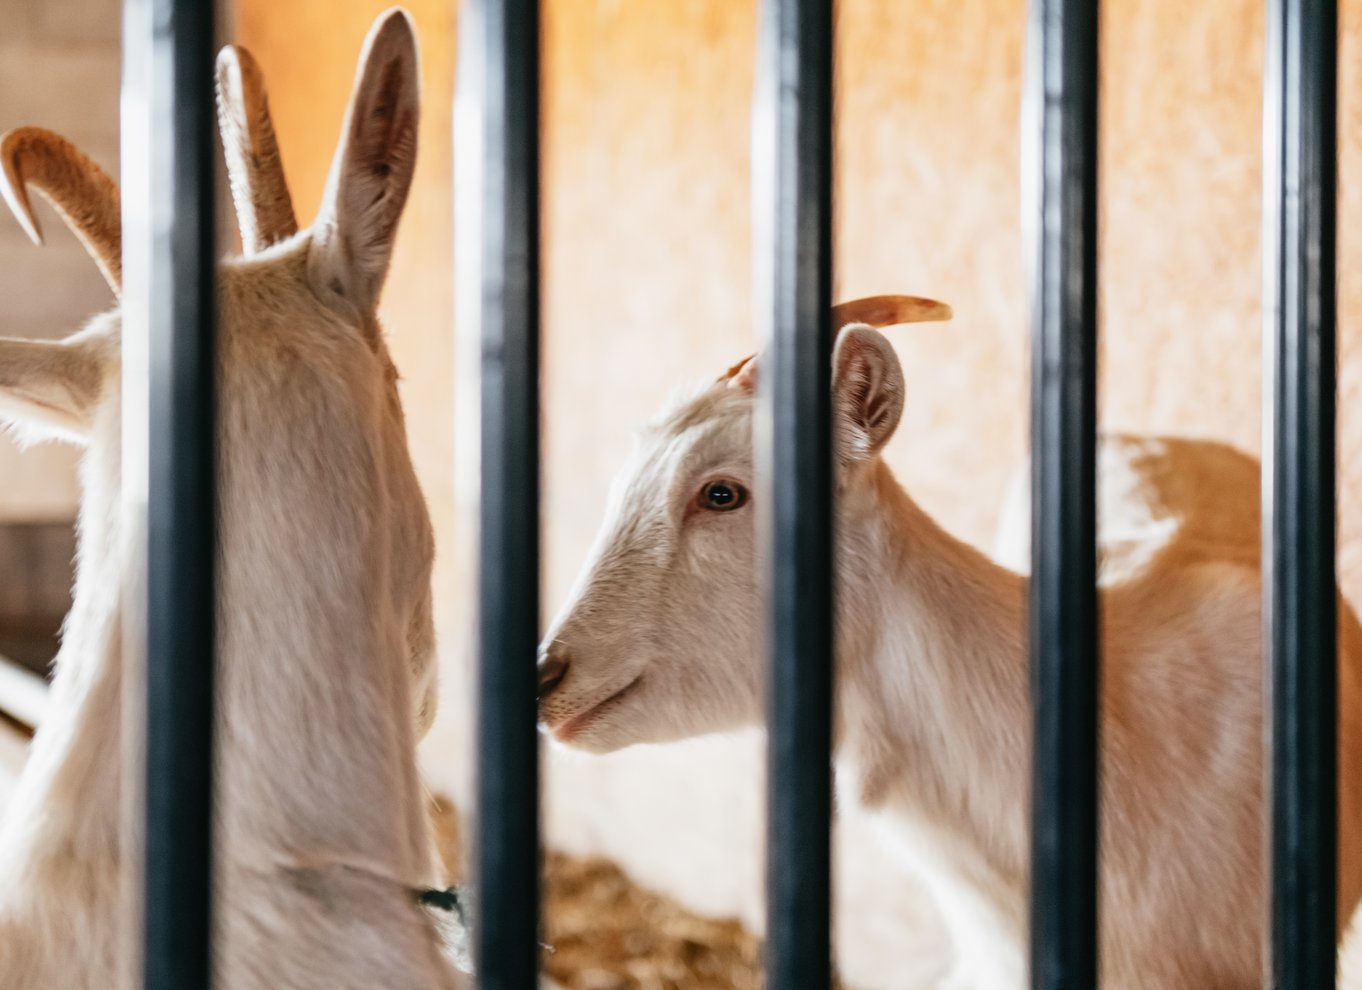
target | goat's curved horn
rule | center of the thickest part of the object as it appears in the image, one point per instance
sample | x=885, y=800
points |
x=877, y=311
x=82, y=193
x=264, y=208
x=888, y=311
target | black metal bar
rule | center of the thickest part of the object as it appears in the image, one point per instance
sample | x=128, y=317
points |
x=507, y=858
x=796, y=55
x=1300, y=607
x=180, y=310
x=1062, y=132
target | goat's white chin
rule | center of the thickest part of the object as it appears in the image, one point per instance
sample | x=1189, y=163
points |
x=598, y=738
x=592, y=741
x=590, y=729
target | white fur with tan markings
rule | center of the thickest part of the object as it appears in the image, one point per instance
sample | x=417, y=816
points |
x=660, y=640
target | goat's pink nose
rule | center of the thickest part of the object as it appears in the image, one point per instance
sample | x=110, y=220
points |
x=552, y=670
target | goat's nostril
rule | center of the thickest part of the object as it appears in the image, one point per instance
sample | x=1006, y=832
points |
x=552, y=670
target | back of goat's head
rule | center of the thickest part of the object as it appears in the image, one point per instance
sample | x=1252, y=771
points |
x=660, y=638
x=312, y=447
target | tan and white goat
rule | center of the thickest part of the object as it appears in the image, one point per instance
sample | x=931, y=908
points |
x=325, y=637
x=1153, y=492
x=660, y=640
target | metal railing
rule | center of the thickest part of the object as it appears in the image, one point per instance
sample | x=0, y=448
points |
x=169, y=58
x=506, y=857
x=795, y=450
x=1300, y=605
x=171, y=250
x=1060, y=131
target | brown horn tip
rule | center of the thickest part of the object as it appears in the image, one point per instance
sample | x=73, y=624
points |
x=15, y=189
x=80, y=191
x=255, y=168
x=888, y=311
x=876, y=311
x=733, y=371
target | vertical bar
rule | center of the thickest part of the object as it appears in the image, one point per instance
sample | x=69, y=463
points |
x=506, y=940
x=1299, y=174
x=1062, y=155
x=796, y=58
x=173, y=278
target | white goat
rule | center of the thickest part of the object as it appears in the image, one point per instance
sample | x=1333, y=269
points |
x=660, y=640
x=325, y=637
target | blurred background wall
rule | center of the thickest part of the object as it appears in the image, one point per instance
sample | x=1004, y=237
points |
x=59, y=66
x=647, y=272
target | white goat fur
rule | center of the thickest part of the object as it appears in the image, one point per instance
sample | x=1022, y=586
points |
x=325, y=637
x=661, y=640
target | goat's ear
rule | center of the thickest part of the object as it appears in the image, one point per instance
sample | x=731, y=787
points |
x=264, y=208
x=867, y=393
x=48, y=389
x=372, y=171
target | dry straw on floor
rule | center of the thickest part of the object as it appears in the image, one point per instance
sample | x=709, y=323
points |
x=607, y=933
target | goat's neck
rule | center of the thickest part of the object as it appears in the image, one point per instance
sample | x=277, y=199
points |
x=934, y=719
x=68, y=801
x=67, y=805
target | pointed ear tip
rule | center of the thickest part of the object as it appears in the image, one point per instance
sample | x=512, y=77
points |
x=391, y=41
x=238, y=62
x=229, y=57
x=397, y=12
x=394, y=26
x=227, y=83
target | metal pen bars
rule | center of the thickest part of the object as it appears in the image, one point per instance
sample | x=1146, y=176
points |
x=1299, y=175
x=169, y=48
x=1061, y=134
x=506, y=934
x=171, y=247
x=1299, y=511
x=795, y=449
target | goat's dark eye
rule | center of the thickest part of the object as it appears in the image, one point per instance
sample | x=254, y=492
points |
x=722, y=496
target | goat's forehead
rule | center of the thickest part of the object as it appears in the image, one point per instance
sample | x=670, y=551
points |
x=712, y=425
x=709, y=414
x=259, y=285
x=269, y=306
